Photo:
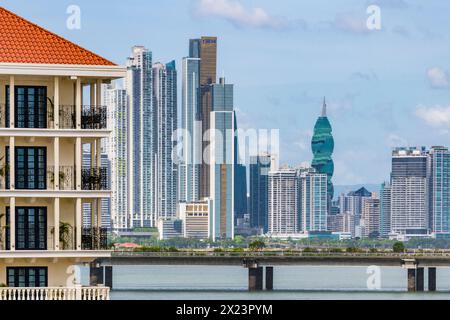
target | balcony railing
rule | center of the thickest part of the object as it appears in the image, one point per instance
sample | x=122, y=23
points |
x=66, y=177
x=92, y=117
x=94, y=238
x=94, y=178
x=55, y=293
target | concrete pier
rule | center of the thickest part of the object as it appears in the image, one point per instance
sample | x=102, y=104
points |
x=411, y=279
x=431, y=279
x=269, y=278
x=420, y=279
x=255, y=279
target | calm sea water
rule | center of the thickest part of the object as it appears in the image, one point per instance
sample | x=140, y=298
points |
x=290, y=282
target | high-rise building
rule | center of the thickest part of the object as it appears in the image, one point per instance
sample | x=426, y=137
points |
x=165, y=176
x=409, y=192
x=313, y=200
x=322, y=148
x=342, y=223
x=222, y=159
x=240, y=183
x=117, y=151
x=45, y=127
x=385, y=209
x=189, y=168
x=205, y=49
x=142, y=144
x=439, y=191
x=370, y=218
x=259, y=191
x=283, y=201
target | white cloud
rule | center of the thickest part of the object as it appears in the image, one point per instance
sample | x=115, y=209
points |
x=434, y=116
x=351, y=23
x=438, y=78
x=394, y=141
x=240, y=16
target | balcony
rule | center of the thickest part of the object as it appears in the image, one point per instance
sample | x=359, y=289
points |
x=92, y=117
x=55, y=293
x=93, y=238
x=94, y=179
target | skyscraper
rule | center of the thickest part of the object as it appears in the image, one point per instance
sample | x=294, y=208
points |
x=166, y=172
x=259, y=191
x=222, y=159
x=313, y=200
x=322, y=148
x=370, y=218
x=205, y=49
x=409, y=192
x=117, y=151
x=240, y=183
x=283, y=201
x=142, y=144
x=189, y=179
x=439, y=191
x=385, y=209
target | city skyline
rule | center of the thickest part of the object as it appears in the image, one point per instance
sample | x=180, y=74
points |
x=399, y=105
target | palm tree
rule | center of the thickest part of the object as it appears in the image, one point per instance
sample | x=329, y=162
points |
x=1, y=230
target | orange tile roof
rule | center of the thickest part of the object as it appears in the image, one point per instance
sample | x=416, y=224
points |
x=22, y=41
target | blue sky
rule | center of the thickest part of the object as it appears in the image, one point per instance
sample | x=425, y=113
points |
x=384, y=88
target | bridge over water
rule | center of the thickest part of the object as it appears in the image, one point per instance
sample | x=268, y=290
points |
x=260, y=265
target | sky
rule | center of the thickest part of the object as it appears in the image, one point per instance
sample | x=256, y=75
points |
x=384, y=88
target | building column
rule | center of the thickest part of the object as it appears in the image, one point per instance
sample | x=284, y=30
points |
x=12, y=101
x=56, y=162
x=98, y=93
x=78, y=102
x=56, y=104
x=99, y=213
x=432, y=279
x=56, y=223
x=78, y=162
x=12, y=223
x=78, y=222
x=12, y=163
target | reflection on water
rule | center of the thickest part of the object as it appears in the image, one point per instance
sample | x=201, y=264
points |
x=290, y=282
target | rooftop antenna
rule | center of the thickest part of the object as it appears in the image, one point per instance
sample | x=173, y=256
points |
x=324, y=108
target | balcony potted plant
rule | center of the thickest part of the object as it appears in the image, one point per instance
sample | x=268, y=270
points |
x=65, y=232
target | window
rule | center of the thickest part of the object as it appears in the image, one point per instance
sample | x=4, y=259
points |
x=30, y=107
x=24, y=277
x=30, y=168
x=31, y=228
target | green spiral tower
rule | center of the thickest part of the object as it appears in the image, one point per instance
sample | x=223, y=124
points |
x=322, y=147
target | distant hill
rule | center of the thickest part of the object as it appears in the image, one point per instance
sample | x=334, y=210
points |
x=347, y=188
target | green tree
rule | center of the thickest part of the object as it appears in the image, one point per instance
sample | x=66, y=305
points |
x=257, y=245
x=398, y=247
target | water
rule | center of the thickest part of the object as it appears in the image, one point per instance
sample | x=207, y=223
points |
x=290, y=282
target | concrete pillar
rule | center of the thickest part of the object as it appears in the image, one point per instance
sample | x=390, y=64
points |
x=12, y=163
x=12, y=101
x=56, y=162
x=419, y=279
x=78, y=223
x=431, y=279
x=255, y=279
x=411, y=279
x=56, y=223
x=109, y=276
x=12, y=223
x=95, y=275
x=269, y=278
x=78, y=102
x=78, y=162
x=56, y=104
